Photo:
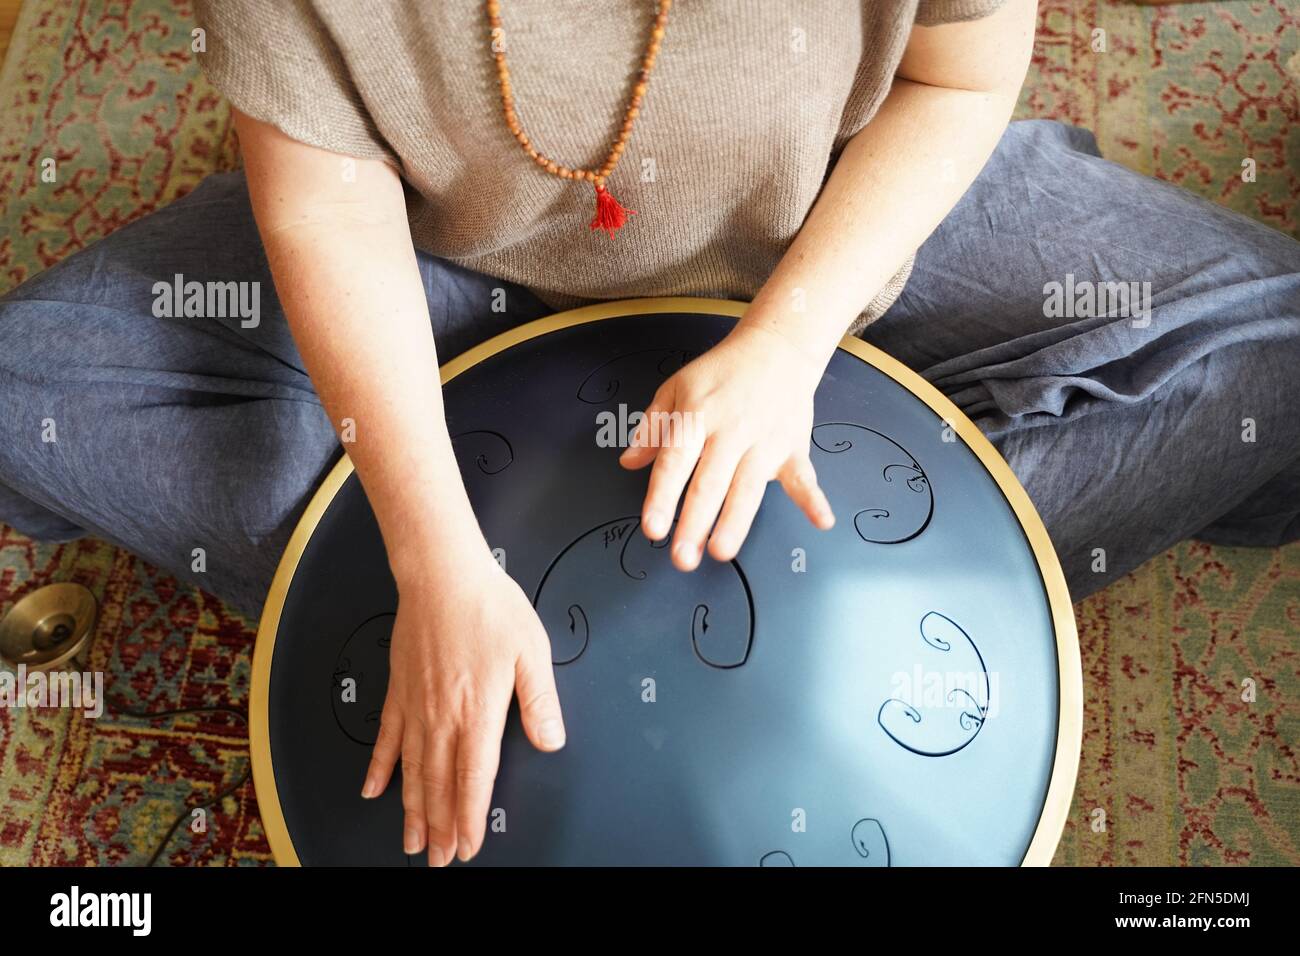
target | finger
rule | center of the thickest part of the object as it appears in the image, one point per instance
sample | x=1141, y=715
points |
x=672, y=469
x=646, y=438
x=704, y=498
x=799, y=480
x=439, y=781
x=539, y=704
x=478, y=755
x=743, y=501
x=387, y=750
x=415, y=826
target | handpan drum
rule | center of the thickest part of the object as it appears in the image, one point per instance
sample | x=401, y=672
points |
x=903, y=689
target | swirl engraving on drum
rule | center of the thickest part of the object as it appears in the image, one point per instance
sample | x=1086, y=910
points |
x=570, y=647
x=646, y=367
x=490, y=451
x=896, y=501
x=642, y=597
x=941, y=728
x=869, y=842
x=363, y=660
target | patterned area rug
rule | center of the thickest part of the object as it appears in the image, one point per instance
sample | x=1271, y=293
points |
x=1177, y=768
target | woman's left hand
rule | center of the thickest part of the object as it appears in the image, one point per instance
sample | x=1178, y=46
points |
x=739, y=416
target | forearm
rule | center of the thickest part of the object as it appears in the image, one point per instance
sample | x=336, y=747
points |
x=899, y=176
x=356, y=306
x=345, y=272
x=894, y=183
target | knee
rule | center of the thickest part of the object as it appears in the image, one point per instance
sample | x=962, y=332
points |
x=35, y=342
x=45, y=375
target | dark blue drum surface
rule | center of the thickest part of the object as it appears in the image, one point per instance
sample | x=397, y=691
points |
x=882, y=694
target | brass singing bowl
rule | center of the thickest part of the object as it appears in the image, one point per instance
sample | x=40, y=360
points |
x=48, y=627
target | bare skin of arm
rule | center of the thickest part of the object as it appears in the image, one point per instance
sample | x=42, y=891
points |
x=896, y=179
x=466, y=638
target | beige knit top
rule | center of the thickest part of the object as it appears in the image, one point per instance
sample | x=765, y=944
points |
x=748, y=105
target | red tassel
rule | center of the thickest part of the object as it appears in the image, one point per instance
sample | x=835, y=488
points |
x=610, y=216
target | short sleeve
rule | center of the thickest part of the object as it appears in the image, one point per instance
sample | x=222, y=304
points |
x=276, y=62
x=933, y=13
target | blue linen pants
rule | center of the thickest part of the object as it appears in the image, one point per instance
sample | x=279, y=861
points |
x=1133, y=421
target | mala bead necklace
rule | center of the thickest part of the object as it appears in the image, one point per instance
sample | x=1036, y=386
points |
x=610, y=216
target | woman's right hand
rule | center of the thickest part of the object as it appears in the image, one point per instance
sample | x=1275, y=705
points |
x=462, y=644
x=465, y=637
